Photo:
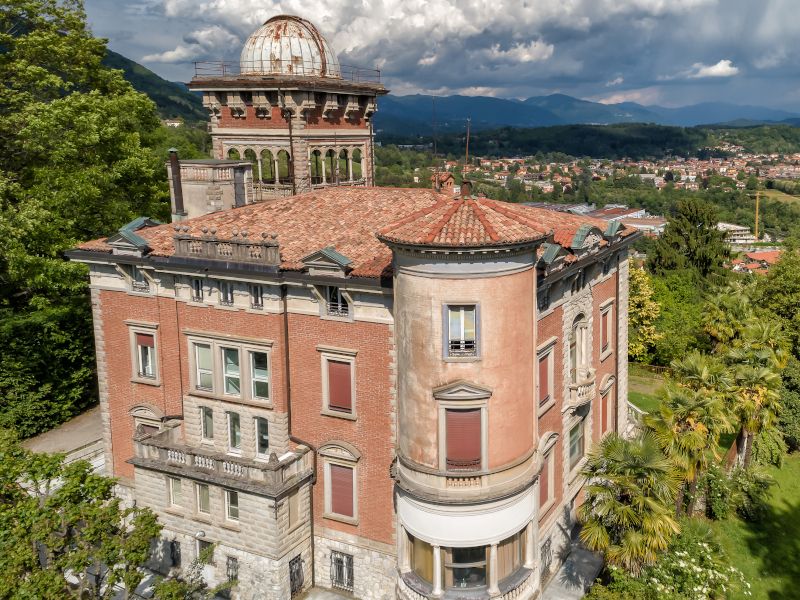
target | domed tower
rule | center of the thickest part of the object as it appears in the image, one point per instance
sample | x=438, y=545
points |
x=302, y=119
x=465, y=318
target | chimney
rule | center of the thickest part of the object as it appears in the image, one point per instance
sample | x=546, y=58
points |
x=466, y=188
x=177, y=189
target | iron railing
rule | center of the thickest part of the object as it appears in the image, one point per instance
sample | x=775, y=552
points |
x=342, y=571
x=296, y=576
x=463, y=348
x=230, y=68
x=140, y=286
x=146, y=375
x=335, y=309
x=467, y=464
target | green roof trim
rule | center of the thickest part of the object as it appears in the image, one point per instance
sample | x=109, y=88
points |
x=140, y=223
x=580, y=236
x=131, y=237
x=550, y=253
x=612, y=228
x=329, y=252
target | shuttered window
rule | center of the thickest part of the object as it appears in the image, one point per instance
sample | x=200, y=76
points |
x=464, y=440
x=544, y=482
x=145, y=340
x=341, y=490
x=605, y=412
x=544, y=379
x=604, y=328
x=340, y=392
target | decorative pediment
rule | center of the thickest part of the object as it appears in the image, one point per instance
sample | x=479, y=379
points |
x=326, y=262
x=587, y=238
x=546, y=441
x=462, y=390
x=145, y=410
x=340, y=449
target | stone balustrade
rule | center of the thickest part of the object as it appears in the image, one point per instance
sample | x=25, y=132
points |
x=584, y=390
x=239, y=248
x=165, y=451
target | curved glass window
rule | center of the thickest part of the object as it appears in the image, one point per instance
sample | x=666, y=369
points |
x=465, y=567
x=422, y=559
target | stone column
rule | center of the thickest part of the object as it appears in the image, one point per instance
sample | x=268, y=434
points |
x=349, y=167
x=260, y=179
x=402, y=551
x=437, y=571
x=530, y=546
x=277, y=177
x=325, y=169
x=494, y=589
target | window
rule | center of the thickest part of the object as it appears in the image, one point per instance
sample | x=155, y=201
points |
x=226, y=293
x=257, y=297
x=234, y=431
x=340, y=394
x=463, y=440
x=577, y=348
x=175, y=553
x=203, y=499
x=259, y=369
x=544, y=378
x=262, y=436
x=197, y=290
x=336, y=304
x=203, y=546
x=509, y=555
x=341, y=490
x=205, y=367
x=230, y=371
x=462, y=338
x=139, y=282
x=575, y=445
x=232, y=505
x=175, y=495
x=232, y=568
x=341, y=571
x=207, y=422
x=422, y=559
x=146, y=353
x=606, y=324
x=465, y=567
x=294, y=506
x=545, y=480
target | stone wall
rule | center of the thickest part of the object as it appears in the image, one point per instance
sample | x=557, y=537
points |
x=374, y=572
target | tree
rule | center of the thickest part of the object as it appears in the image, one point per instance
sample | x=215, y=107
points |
x=58, y=519
x=190, y=584
x=642, y=314
x=691, y=240
x=752, y=183
x=72, y=168
x=626, y=515
x=777, y=295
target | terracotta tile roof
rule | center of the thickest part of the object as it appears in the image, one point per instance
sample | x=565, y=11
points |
x=349, y=218
x=770, y=257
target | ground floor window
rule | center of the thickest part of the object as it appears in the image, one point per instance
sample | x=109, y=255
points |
x=342, y=571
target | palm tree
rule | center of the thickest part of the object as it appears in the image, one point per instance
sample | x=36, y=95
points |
x=626, y=515
x=725, y=314
x=703, y=371
x=687, y=427
x=756, y=402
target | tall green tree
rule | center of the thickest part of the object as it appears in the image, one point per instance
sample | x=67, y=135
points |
x=63, y=534
x=691, y=240
x=72, y=168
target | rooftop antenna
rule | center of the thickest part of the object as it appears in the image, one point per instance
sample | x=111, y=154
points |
x=435, y=165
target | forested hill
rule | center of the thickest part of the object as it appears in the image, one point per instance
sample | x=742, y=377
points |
x=634, y=140
x=173, y=101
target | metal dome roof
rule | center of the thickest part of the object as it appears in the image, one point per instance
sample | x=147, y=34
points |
x=289, y=45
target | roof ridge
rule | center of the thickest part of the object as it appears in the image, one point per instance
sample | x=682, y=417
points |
x=481, y=214
x=443, y=221
x=415, y=215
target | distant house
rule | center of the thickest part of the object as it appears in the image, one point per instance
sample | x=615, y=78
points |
x=171, y=123
x=446, y=182
x=737, y=234
x=763, y=259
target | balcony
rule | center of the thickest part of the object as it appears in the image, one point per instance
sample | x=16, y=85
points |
x=165, y=451
x=336, y=309
x=584, y=390
x=140, y=286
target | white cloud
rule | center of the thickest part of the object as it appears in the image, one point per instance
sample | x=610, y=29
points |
x=722, y=69
x=651, y=95
x=179, y=55
x=521, y=53
x=615, y=82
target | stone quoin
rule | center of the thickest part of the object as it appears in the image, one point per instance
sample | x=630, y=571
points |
x=385, y=392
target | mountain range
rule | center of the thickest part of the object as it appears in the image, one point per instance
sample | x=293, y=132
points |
x=413, y=115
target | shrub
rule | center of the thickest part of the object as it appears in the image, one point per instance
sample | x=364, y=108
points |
x=769, y=448
x=752, y=490
x=719, y=493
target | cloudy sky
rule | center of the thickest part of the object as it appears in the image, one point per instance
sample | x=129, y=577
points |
x=667, y=52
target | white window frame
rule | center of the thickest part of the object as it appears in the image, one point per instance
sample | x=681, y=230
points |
x=256, y=291
x=144, y=328
x=225, y=289
x=258, y=379
x=198, y=487
x=607, y=308
x=549, y=458
x=256, y=422
x=446, y=324
x=203, y=410
x=341, y=300
x=607, y=388
x=547, y=349
x=223, y=348
x=245, y=348
x=199, y=371
x=580, y=329
x=229, y=417
x=197, y=290
x=329, y=514
x=137, y=276
x=228, y=506
x=171, y=491
x=334, y=354
x=582, y=424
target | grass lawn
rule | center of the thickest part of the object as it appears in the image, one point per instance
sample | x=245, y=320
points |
x=768, y=552
x=777, y=195
x=646, y=402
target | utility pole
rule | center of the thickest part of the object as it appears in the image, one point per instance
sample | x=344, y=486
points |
x=757, y=193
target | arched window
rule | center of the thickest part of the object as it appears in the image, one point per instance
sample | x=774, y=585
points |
x=233, y=154
x=578, y=349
